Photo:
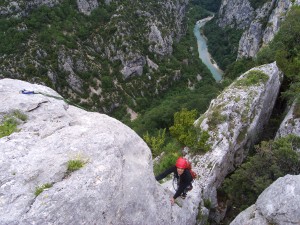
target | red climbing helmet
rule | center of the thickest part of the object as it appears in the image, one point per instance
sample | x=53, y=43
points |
x=181, y=163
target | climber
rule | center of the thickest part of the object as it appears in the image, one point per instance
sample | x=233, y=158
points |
x=183, y=176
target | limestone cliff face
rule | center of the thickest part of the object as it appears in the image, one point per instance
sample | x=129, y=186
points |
x=278, y=204
x=87, y=6
x=235, y=13
x=159, y=34
x=87, y=62
x=251, y=39
x=22, y=8
x=260, y=24
x=115, y=186
x=234, y=120
x=291, y=122
x=261, y=33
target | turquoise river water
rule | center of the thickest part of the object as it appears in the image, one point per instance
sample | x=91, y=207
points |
x=203, y=51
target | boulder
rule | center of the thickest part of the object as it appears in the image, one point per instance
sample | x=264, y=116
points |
x=159, y=44
x=87, y=6
x=116, y=184
x=291, y=122
x=233, y=121
x=278, y=204
x=134, y=66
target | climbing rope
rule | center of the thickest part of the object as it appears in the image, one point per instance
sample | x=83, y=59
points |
x=175, y=183
x=26, y=92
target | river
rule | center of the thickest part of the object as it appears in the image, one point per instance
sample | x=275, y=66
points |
x=203, y=51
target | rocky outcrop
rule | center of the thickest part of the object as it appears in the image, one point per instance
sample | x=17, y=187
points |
x=291, y=122
x=235, y=13
x=275, y=19
x=234, y=120
x=160, y=43
x=260, y=24
x=161, y=46
x=251, y=39
x=263, y=27
x=21, y=8
x=122, y=40
x=67, y=65
x=278, y=204
x=87, y=6
x=134, y=67
x=116, y=184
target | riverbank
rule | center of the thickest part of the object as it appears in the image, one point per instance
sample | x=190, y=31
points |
x=204, y=55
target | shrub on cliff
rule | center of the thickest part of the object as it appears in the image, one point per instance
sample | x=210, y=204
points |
x=273, y=159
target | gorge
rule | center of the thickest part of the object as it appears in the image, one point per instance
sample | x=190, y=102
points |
x=203, y=50
x=139, y=57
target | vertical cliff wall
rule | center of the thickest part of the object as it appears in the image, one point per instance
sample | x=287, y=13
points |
x=234, y=121
x=260, y=24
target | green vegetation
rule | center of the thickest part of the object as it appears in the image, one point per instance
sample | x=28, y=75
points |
x=285, y=50
x=19, y=115
x=273, y=159
x=156, y=114
x=155, y=142
x=237, y=68
x=209, y=5
x=207, y=203
x=48, y=34
x=172, y=151
x=74, y=165
x=216, y=117
x=183, y=129
x=10, y=122
x=184, y=133
x=296, y=111
x=8, y=126
x=222, y=43
x=187, y=134
x=257, y=3
x=40, y=189
x=253, y=77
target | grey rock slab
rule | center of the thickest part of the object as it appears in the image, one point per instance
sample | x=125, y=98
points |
x=233, y=121
x=278, y=204
x=116, y=185
x=290, y=124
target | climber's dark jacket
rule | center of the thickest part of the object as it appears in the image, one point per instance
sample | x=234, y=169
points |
x=184, y=181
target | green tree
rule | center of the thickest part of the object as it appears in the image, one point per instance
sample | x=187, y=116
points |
x=155, y=142
x=272, y=160
x=186, y=133
x=183, y=129
x=285, y=50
